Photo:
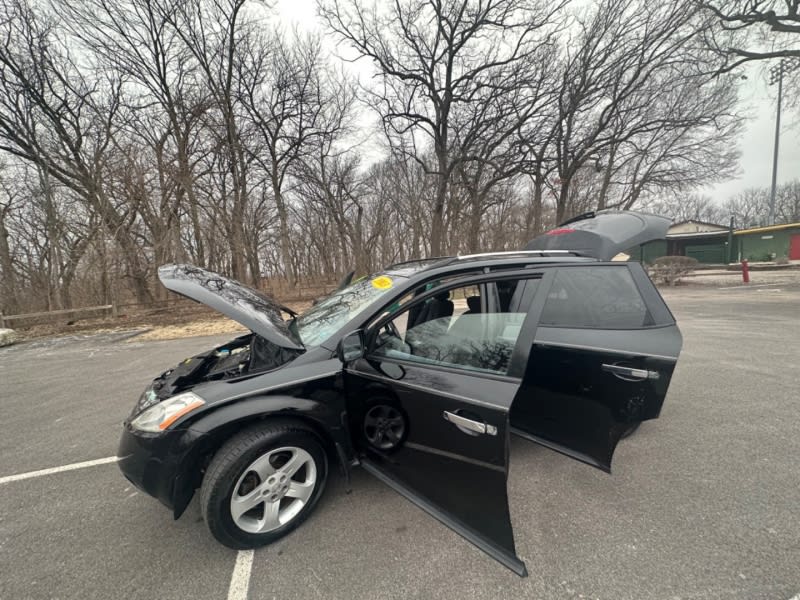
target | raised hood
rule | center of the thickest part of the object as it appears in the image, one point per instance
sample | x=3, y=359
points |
x=603, y=234
x=249, y=307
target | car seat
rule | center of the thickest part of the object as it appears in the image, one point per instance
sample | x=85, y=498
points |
x=473, y=305
x=438, y=307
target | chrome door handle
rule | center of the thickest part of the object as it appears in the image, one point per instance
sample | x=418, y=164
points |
x=463, y=423
x=629, y=373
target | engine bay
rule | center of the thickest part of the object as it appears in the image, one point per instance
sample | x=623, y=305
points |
x=245, y=355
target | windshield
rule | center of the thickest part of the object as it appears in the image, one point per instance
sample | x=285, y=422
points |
x=328, y=316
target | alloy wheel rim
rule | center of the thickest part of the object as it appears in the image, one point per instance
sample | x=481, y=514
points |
x=384, y=426
x=273, y=489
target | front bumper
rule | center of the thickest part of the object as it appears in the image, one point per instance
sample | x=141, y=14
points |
x=160, y=465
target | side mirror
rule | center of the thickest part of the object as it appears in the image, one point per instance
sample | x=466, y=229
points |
x=351, y=346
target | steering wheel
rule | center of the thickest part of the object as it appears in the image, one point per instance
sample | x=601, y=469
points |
x=392, y=329
x=391, y=337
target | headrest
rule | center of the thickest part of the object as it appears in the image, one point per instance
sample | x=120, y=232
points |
x=474, y=303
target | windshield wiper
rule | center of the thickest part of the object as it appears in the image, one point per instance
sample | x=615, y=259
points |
x=288, y=310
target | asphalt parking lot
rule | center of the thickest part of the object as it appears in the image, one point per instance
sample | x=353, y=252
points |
x=703, y=503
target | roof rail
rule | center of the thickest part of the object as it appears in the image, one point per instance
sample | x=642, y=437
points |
x=412, y=261
x=514, y=253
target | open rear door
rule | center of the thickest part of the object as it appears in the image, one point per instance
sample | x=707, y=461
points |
x=602, y=359
x=603, y=234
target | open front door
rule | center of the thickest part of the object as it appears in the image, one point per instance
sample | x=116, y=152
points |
x=428, y=409
x=602, y=359
x=446, y=451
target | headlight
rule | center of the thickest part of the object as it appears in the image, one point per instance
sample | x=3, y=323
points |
x=162, y=415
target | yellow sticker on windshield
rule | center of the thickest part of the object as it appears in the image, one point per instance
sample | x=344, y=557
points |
x=382, y=283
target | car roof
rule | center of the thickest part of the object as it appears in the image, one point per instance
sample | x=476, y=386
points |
x=518, y=258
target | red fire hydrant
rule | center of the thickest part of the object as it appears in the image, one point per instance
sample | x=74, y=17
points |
x=745, y=272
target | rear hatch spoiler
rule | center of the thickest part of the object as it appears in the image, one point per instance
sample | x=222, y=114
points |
x=603, y=234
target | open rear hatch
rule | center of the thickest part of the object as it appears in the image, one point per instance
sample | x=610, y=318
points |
x=604, y=234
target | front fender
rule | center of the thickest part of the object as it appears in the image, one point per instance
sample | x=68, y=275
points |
x=325, y=414
x=322, y=414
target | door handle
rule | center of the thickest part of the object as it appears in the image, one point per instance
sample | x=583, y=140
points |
x=472, y=427
x=629, y=373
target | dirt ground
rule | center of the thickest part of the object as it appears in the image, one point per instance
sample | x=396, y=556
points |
x=192, y=329
x=184, y=319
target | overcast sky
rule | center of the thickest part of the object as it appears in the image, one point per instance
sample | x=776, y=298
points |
x=757, y=102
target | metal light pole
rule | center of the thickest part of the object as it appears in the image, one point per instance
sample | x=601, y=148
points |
x=785, y=65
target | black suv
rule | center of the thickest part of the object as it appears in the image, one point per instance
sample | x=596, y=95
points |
x=419, y=374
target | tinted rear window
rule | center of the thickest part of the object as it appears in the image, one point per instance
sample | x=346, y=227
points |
x=597, y=297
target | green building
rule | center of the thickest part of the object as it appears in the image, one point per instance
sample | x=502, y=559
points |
x=766, y=244
x=707, y=242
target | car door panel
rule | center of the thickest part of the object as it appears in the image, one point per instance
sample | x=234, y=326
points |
x=427, y=392
x=454, y=473
x=583, y=388
x=455, y=391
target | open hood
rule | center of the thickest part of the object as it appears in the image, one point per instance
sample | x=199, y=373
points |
x=245, y=305
x=603, y=234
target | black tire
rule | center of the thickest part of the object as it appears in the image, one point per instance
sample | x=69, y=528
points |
x=230, y=463
x=631, y=429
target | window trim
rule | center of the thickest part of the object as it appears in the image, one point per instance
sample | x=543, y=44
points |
x=447, y=369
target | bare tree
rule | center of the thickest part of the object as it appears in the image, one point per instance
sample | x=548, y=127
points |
x=492, y=142
x=689, y=207
x=750, y=206
x=211, y=32
x=145, y=131
x=681, y=154
x=162, y=99
x=10, y=199
x=752, y=30
x=54, y=117
x=635, y=80
x=298, y=107
x=432, y=60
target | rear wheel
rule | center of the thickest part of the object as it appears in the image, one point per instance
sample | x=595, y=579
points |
x=262, y=484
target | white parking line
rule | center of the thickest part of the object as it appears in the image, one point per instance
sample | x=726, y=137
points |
x=240, y=580
x=72, y=467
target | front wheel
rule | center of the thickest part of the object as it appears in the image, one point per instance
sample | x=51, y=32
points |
x=262, y=484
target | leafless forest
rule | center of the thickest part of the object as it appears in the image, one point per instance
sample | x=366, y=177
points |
x=138, y=132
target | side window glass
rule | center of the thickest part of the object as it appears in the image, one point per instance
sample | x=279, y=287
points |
x=512, y=297
x=595, y=297
x=456, y=328
x=401, y=302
